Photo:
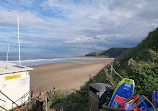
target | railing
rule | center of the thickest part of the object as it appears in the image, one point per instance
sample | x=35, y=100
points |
x=4, y=102
x=9, y=99
x=28, y=93
x=3, y=108
x=15, y=102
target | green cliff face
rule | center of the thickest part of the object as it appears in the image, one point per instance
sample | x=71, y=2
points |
x=141, y=64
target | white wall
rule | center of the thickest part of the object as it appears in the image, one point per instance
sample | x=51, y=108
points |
x=14, y=88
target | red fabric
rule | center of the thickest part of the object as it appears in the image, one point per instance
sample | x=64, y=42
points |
x=119, y=99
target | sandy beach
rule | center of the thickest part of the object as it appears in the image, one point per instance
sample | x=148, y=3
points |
x=65, y=75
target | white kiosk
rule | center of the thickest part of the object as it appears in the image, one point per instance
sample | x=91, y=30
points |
x=14, y=85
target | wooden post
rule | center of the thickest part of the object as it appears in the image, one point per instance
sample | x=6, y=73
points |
x=46, y=101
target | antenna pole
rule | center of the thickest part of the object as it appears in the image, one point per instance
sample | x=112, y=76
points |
x=7, y=55
x=19, y=40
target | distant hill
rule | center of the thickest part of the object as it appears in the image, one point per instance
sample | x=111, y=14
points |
x=112, y=52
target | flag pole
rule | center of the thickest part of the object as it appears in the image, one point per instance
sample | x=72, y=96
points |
x=19, y=40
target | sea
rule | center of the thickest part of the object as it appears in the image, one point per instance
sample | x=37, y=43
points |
x=41, y=59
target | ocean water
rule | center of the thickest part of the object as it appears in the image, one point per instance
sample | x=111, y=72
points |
x=41, y=59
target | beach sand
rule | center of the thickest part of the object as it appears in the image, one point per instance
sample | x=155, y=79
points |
x=65, y=75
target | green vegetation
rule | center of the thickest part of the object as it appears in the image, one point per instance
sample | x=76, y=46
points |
x=98, y=53
x=113, y=52
x=145, y=75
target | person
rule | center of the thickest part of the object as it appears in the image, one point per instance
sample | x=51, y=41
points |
x=41, y=100
x=53, y=92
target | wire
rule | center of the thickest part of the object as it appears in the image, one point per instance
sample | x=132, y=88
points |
x=150, y=102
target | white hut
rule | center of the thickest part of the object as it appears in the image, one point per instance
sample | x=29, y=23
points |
x=14, y=85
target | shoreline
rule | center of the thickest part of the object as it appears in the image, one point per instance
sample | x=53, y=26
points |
x=64, y=75
x=36, y=62
x=78, y=61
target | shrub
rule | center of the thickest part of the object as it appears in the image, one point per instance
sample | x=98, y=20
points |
x=145, y=75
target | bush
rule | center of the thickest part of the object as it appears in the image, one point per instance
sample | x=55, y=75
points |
x=145, y=76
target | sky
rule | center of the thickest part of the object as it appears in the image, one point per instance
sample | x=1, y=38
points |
x=75, y=27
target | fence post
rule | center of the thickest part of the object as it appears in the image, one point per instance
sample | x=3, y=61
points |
x=35, y=90
x=46, y=102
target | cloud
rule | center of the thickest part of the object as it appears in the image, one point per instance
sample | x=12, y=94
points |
x=69, y=26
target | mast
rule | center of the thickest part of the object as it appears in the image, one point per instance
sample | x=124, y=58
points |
x=19, y=40
x=7, y=55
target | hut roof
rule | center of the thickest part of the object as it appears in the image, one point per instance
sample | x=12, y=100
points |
x=6, y=68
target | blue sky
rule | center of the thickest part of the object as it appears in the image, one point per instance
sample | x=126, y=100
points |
x=75, y=27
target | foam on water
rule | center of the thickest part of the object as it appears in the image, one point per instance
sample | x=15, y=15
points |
x=34, y=62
